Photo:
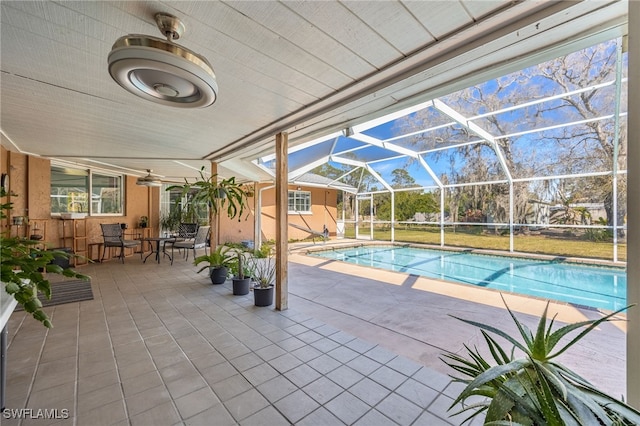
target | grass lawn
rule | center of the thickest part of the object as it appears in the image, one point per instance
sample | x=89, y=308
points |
x=549, y=245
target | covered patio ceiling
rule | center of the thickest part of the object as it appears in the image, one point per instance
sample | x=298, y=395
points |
x=307, y=68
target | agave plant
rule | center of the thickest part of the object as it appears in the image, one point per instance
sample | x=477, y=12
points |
x=264, y=272
x=534, y=389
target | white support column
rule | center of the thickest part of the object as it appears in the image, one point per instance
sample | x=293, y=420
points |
x=356, y=216
x=393, y=216
x=633, y=209
x=511, y=216
x=257, y=219
x=282, y=212
x=371, y=217
x=616, y=143
x=214, y=220
x=442, y=216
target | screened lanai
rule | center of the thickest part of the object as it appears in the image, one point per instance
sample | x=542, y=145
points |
x=534, y=156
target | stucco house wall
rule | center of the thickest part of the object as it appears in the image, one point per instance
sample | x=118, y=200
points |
x=30, y=181
x=323, y=213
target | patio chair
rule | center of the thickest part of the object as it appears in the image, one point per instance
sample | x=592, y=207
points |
x=186, y=231
x=200, y=241
x=113, y=236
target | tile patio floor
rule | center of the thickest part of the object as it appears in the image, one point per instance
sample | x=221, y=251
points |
x=159, y=345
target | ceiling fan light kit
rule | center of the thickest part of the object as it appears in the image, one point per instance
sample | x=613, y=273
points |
x=162, y=71
x=149, y=180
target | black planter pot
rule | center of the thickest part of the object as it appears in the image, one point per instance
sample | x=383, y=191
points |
x=241, y=286
x=263, y=296
x=218, y=275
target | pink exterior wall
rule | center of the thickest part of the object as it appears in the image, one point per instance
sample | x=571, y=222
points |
x=323, y=212
x=240, y=228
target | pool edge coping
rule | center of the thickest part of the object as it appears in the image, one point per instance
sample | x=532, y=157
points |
x=583, y=261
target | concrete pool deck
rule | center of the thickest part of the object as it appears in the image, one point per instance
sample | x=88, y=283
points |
x=159, y=345
x=411, y=315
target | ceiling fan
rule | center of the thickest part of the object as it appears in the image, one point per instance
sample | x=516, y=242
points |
x=162, y=71
x=149, y=180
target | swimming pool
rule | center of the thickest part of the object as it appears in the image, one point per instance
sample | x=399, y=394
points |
x=584, y=285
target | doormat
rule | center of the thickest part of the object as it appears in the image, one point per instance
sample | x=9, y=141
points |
x=66, y=292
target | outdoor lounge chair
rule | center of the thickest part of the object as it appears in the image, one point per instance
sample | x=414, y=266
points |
x=324, y=234
x=113, y=236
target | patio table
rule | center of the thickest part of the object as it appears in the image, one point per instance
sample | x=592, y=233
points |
x=156, y=249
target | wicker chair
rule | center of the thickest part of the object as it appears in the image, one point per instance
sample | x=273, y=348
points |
x=113, y=237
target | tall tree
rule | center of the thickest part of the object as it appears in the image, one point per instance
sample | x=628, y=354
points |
x=585, y=146
x=402, y=179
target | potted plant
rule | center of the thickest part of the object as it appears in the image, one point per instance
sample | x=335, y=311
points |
x=169, y=222
x=264, y=274
x=21, y=269
x=218, y=263
x=224, y=195
x=534, y=389
x=241, y=280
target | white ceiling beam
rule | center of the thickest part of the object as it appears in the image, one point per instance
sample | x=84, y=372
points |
x=426, y=166
x=379, y=178
x=546, y=99
x=347, y=161
x=294, y=174
x=417, y=132
x=344, y=176
x=386, y=145
x=262, y=167
x=390, y=117
x=367, y=139
x=463, y=121
x=559, y=126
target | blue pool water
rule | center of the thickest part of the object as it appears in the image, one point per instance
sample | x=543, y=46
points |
x=585, y=285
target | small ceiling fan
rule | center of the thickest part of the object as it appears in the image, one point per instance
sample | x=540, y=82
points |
x=149, y=180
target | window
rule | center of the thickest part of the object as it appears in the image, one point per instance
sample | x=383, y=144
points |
x=70, y=189
x=175, y=209
x=106, y=194
x=300, y=201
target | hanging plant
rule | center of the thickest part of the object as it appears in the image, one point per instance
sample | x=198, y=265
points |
x=225, y=195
